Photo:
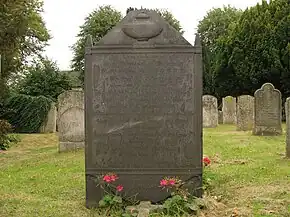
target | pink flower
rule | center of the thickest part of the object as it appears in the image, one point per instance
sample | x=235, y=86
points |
x=163, y=182
x=114, y=177
x=110, y=178
x=107, y=178
x=206, y=161
x=119, y=188
x=171, y=182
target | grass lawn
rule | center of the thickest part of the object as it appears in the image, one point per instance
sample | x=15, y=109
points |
x=251, y=177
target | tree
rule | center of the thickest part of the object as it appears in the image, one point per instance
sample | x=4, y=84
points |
x=214, y=30
x=98, y=24
x=44, y=79
x=260, y=47
x=251, y=49
x=22, y=34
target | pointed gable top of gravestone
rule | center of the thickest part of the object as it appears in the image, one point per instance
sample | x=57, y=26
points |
x=143, y=26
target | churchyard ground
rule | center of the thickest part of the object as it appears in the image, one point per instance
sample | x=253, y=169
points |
x=249, y=177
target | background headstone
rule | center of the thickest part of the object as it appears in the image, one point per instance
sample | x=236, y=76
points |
x=268, y=111
x=245, y=113
x=71, y=128
x=287, y=112
x=229, y=110
x=50, y=124
x=210, y=111
x=143, y=86
x=220, y=117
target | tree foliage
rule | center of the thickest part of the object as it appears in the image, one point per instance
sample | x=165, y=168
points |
x=214, y=29
x=248, y=49
x=22, y=34
x=44, y=79
x=98, y=23
x=26, y=113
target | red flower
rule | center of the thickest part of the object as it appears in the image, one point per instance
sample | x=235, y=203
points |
x=107, y=178
x=119, y=188
x=114, y=177
x=163, y=182
x=171, y=182
x=206, y=161
x=110, y=178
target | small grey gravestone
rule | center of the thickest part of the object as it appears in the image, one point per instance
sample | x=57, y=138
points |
x=245, y=113
x=210, y=111
x=220, y=117
x=49, y=126
x=143, y=90
x=287, y=112
x=229, y=110
x=71, y=127
x=267, y=111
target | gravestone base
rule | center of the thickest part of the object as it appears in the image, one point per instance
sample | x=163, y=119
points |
x=70, y=146
x=267, y=131
x=148, y=191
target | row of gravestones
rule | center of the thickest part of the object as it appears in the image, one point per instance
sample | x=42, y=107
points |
x=261, y=113
x=238, y=111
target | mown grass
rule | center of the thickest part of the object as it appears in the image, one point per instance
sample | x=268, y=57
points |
x=251, y=177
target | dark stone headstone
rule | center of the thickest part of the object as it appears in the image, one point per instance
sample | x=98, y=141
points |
x=143, y=90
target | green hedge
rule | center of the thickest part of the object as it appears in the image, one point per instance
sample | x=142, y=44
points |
x=26, y=113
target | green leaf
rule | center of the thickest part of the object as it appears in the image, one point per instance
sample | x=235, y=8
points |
x=177, y=198
x=102, y=204
x=192, y=206
x=117, y=199
x=107, y=198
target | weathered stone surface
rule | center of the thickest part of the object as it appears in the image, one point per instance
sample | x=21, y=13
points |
x=220, y=117
x=143, y=86
x=50, y=124
x=287, y=111
x=229, y=110
x=71, y=127
x=268, y=111
x=210, y=111
x=245, y=113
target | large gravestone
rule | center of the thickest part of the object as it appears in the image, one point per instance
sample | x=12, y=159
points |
x=229, y=110
x=245, y=113
x=71, y=123
x=143, y=90
x=210, y=111
x=267, y=111
x=287, y=112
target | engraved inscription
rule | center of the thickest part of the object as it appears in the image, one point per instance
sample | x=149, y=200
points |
x=268, y=109
x=165, y=89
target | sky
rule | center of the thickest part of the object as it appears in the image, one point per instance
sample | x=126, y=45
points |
x=64, y=17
